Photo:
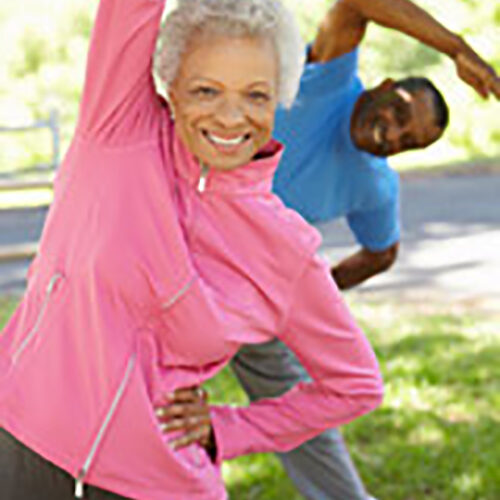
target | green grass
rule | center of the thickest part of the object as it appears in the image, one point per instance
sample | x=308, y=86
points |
x=6, y=309
x=437, y=435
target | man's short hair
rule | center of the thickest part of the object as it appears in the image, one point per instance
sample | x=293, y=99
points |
x=415, y=84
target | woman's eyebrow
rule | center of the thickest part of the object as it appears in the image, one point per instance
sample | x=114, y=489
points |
x=264, y=83
x=201, y=79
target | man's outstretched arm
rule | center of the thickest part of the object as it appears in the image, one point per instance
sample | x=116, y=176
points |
x=364, y=264
x=345, y=25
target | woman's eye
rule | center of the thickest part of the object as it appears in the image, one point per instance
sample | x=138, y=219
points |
x=205, y=92
x=258, y=96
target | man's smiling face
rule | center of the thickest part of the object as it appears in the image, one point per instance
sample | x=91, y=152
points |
x=388, y=120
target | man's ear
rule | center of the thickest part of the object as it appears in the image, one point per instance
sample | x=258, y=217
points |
x=387, y=84
x=383, y=87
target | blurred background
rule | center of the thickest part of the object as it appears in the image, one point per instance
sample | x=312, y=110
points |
x=434, y=319
x=42, y=68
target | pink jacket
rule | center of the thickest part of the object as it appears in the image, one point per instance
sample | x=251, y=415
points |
x=145, y=283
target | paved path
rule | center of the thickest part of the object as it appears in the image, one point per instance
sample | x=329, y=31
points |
x=450, y=244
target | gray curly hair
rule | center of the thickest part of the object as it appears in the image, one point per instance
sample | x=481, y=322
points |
x=261, y=18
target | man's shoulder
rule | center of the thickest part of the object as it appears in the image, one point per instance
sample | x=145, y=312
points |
x=334, y=76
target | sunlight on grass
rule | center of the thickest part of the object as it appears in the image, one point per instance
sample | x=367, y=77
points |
x=468, y=484
x=426, y=435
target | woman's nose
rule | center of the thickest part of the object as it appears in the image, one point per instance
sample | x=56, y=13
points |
x=230, y=113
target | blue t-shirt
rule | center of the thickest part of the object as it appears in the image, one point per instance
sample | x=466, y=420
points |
x=322, y=174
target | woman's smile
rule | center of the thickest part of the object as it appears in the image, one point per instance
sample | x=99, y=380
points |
x=226, y=143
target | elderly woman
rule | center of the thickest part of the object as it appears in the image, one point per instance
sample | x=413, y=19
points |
x=165, y=251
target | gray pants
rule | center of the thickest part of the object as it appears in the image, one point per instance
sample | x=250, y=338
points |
x=321, y=468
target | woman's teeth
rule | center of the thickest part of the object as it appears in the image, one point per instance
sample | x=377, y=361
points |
x=227, y=142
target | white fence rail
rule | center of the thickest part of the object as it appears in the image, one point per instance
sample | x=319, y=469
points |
x=10, y=180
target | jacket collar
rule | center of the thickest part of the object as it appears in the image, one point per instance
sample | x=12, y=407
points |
x=256, y=176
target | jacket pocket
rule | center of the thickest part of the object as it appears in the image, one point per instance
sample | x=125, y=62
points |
x=32, y=333
x=194, y=456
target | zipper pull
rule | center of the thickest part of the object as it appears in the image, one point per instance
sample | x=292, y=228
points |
x=53, y=282
x=79, y=486
x=202, y=183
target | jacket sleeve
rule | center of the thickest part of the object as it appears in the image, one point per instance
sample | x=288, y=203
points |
x=345, y=378
x=119, y=103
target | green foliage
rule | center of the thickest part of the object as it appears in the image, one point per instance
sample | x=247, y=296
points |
x=34, y=52
x=44, y=71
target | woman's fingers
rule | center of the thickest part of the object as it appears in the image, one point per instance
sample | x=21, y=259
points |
x=191, y=400
x=187, y=394
x=185, y=423
x=200, y=435
x=180, y=410
x=186, y=412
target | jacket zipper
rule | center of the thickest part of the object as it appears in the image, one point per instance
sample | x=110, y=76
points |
x=80, y=478
x=36, y=327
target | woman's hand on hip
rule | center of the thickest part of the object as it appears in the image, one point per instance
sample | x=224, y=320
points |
x=186, y=412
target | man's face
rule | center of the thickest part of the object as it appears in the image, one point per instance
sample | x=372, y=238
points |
x=388, y=120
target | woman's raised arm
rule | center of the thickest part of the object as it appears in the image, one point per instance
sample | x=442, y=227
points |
x=119, y=103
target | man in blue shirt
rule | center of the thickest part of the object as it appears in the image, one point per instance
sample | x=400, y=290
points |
x=337, y=137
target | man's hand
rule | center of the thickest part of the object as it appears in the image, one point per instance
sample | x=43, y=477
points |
x=474, y=71
x=187, y=413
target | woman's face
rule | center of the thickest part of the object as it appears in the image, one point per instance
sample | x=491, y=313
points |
x=224, y=98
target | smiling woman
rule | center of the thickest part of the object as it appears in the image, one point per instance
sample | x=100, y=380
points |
x=224, y=97
x=163, y=253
